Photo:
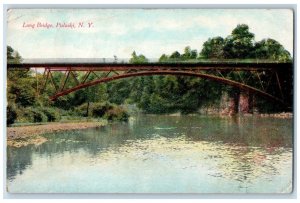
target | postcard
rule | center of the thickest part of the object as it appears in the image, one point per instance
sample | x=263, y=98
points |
x=150, y=100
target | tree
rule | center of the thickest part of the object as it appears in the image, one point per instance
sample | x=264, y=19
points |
x=240, y=43
x=213, y=48
x=23, y=92
x=118, y=91
x=175, y=55
x=271, y=49
x=189, y=53
x=19, y=83
x=135, y=59
x=95, y=93
x=163, y=58
x=9, y=53
x=193, y=54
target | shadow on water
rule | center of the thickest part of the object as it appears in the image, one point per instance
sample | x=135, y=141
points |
x=239, y=135
x=18, y=160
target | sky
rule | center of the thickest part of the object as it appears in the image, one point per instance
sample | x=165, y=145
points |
x=105, y=33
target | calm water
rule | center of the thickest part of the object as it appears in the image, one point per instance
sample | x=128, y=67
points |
x=160, y=154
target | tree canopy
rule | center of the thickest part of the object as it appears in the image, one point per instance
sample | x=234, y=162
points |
x=240, y=44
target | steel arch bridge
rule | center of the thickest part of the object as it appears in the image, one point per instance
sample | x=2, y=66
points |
x=269, y=80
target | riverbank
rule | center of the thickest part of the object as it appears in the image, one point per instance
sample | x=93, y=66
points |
x=25, y=135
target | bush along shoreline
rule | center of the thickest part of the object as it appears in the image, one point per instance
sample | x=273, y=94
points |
x=100, y=110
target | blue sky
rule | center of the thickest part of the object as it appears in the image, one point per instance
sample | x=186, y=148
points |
x=151, y=32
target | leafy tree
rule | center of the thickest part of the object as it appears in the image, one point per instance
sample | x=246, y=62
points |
x=9, y=53
x=136, y=59
x=96, y=93
x=213, y=48
x=163, y=58
x=24, y=93
x=240, y=43
x=193, y=54
x=137, y=87
x=271, y=49
x=118, y=91
x=175, y=55
x=19, y=83
x=189, y=53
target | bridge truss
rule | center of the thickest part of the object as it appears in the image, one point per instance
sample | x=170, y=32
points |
x=269, y=80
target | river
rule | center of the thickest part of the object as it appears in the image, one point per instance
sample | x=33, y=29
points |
x=160, y=154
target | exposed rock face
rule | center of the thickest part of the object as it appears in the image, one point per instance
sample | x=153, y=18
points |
x=232, y=106
x=244, y=103
x=236, y=103
x=229, y=104
x=239, y=102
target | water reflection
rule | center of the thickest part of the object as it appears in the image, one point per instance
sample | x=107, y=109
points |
x=198, y=154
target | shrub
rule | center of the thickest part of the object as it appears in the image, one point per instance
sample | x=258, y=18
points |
x=24, y=115
x=116, y=113
x=38, y=115
x=103, y=110
x=99, y=109
x=11, y=114
x=52, y=114
x=32, y=115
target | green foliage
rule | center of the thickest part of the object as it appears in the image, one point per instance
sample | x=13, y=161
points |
x=19, y=83
x=163, y=58
x=81, y=110
x=22, y=92
x=52, y=114
x=137, y=59
x=271, y=49
x=213, y=48
x=11, y=114
x=32, y=115
x=175, y=55
x=39, y=114
x=240, y=43
x=9, y=52
x=12, y=55
x=119, y=90
x=116, y=113
x=103, y=110
x=100, y=109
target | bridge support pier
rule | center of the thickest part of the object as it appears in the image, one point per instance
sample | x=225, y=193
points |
x=245, y=103
x=229, y=103
x=238, y=102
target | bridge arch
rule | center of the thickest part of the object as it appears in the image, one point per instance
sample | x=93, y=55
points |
x=176, y=73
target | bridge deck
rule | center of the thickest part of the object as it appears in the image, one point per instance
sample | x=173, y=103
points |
x=123, y=66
